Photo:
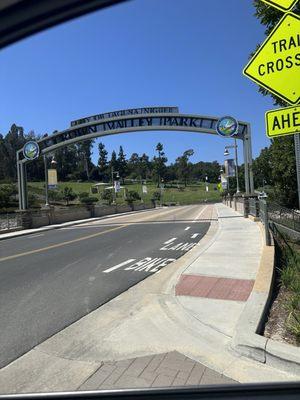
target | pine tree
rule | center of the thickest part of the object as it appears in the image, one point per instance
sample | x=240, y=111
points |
x=122, y=164
x=102, y=162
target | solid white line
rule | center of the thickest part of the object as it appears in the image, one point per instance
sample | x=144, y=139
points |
x=170, y=241
x=31, y=236
x=195, y=235
x=119, y=265
x=200, y=213
x=187, y=228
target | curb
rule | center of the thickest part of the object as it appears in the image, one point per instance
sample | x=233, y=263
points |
x=9, y=235
x=247, y=340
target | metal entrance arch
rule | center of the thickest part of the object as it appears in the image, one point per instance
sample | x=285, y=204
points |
x=136, y=120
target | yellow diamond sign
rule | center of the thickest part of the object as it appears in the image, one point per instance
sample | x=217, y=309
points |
x=276, y=64
x=283, y=5
x=283, y=121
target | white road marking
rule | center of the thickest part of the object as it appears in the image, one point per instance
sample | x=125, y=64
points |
x=179, y=246
x=119, y=265
x=200, y=213
x=38, y=234
x=187, y=228
x=170, y=241
x=149, y=264
x=195, y=235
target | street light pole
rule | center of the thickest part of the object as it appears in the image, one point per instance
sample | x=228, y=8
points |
x=113, y=186
x=226, y=153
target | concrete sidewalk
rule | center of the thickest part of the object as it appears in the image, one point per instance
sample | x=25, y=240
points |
x=173, y=328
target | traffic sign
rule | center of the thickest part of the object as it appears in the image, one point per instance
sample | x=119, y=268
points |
x=282, y=122
x=276, y=64
x=283, y=5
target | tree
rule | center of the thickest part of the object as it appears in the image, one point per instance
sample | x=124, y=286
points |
x=133, y=166
x=67, y=162
x=159, y=164
x=102, y=162
x=13, y=141
x=113, y=164
x=183, y=166
x=84, y=150
x=144, y=166
x=283, y=165
x=262, y=168
x=122, y=164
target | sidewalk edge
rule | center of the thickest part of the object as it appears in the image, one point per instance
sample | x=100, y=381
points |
x=247, y=340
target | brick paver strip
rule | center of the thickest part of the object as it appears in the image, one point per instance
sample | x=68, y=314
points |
x=167, y=369
x=214, y=287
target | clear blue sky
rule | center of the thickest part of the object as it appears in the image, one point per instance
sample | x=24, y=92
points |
x=185, y=53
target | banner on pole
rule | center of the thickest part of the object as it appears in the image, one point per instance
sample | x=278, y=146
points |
x=229, y=167
x=52, y=178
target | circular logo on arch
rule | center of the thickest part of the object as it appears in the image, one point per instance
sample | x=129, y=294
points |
x=31, y=150
x=227, y=126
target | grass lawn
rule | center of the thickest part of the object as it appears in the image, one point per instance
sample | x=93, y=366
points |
x=189, y=195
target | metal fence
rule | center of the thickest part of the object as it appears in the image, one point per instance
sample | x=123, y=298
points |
x=284, y=216
x=287, y=221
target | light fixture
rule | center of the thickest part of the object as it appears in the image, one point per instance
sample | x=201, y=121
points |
x=226, y=152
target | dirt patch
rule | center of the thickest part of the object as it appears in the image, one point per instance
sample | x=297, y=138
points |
x=275, y=327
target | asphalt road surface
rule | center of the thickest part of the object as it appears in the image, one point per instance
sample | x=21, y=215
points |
x=50, y=279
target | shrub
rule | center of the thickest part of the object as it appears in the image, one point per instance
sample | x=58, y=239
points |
x=88, y=200
x=6, y=193
x=68, y=194
x=55, y=195
x=132, y=196
x=156, y=196
x=107, y=196
x=82, y=195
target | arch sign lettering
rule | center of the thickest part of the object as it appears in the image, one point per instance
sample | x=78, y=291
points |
x=136, y=120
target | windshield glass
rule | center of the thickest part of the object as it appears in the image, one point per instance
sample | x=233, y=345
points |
x=149, y=198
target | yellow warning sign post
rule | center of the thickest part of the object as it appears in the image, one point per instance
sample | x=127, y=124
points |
x=282, y=122
x=276, y=64
x=283, y=5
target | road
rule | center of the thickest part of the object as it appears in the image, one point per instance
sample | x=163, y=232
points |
x=50, y=279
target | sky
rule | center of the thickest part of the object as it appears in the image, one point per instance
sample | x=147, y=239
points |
x=185, y=53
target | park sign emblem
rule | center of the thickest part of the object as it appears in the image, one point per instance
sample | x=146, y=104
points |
x=31, y=150
x=282, y=5
x=227, y=126
x=276, y=64
x=282, y=122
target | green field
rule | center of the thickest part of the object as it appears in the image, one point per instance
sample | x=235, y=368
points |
x=170, y=194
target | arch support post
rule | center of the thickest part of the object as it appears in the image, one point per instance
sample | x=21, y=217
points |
x=22, y=184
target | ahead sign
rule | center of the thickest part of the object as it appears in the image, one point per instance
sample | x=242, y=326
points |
x=283, y=5
x=276, y=65
x=282, y=122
